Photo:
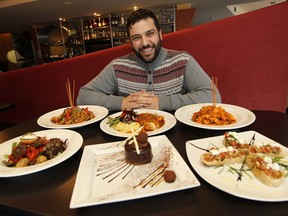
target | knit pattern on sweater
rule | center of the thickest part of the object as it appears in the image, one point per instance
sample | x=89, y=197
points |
x=168, y=77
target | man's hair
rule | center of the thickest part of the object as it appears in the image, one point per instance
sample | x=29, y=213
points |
x=138, y=15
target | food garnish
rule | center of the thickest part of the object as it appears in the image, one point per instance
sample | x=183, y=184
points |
x=28, y=138
x=169, y=176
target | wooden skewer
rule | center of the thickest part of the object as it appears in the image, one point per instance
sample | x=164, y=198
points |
x=69, y=94
x=214, y=84
x=130, y=137
x=73, y=96
x=135, y=141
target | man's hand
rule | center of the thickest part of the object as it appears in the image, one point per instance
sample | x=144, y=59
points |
x=141, y=99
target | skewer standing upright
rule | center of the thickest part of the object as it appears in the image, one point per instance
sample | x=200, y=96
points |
x=70, y=95
x=214, y=85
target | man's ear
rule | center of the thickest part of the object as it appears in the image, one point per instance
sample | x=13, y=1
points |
x=160, y=34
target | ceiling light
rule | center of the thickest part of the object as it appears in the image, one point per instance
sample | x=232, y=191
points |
x=66, y=3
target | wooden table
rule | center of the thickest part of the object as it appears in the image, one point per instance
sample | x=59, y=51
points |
x=49, y=192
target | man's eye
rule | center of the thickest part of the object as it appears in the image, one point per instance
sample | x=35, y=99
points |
x=135, y=38
x=150, y=34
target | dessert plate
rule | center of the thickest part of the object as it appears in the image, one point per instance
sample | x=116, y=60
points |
x=105, y=177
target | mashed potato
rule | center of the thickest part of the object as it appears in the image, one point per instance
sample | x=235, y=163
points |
x=126, y=128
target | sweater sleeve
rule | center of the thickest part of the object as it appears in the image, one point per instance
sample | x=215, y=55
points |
x=101, y=90
x=196, y=89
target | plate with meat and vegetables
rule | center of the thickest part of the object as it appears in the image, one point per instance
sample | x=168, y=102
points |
x=123, y=124
x=36, y=151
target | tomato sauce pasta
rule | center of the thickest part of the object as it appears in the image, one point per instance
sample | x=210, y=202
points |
x=211, y=115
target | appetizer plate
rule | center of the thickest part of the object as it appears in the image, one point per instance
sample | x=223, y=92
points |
x=74, y=143
x=170, y=122
x=45, y=120
x=222, y=178
x=105, y=177
x=243, y=116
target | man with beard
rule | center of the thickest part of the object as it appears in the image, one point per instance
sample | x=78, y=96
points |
x=151, y=77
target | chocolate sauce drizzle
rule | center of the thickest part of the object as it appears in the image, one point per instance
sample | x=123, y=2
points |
x=110, y=170
x=120, y=166
x=154, y=178
x=115, y=168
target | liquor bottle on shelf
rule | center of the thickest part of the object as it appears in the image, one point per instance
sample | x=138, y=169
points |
x=99, y=22
x=94, y=24
x=164, y=18
x=168, y=17
x=122, y=19
x=113, y=20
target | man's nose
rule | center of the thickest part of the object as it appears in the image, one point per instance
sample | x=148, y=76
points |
x=145, y=41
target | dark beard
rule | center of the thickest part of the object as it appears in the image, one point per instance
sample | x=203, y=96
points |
x=157, y=51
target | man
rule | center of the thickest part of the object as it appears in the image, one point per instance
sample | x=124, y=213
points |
x=151, y=77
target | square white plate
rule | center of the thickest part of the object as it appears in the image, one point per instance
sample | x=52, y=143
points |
x=97, y=184
x=249, y=187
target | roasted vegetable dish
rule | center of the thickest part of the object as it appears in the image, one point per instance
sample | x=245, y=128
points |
x=27, y=153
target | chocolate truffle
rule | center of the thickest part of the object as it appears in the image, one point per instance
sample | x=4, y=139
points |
x=169, y=176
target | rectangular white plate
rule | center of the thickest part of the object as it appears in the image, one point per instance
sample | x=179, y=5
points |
x=92, y=187
x=249, y=187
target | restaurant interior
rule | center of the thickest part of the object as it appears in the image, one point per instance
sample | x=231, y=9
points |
x=174, y=162
x=51, y=36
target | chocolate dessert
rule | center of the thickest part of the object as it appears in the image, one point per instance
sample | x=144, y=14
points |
x=145, y=155
x=169, y=176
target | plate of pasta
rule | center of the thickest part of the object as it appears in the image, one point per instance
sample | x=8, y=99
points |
x=220, y=117
x=72, y=117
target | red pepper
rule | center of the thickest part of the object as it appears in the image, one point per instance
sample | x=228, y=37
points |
x=32, y=153
x=68, y=114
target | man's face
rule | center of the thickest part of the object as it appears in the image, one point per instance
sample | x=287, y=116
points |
x=145, y=40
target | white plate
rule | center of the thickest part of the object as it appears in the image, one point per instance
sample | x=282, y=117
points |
x=74, y=143
x=91, y=188
x=170, y=122
x=45, y=120
x=249, y=187
x=243, y=116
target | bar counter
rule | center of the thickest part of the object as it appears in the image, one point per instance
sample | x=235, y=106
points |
x=49, y=192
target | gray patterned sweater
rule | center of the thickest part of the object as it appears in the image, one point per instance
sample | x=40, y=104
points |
x=174, y=76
